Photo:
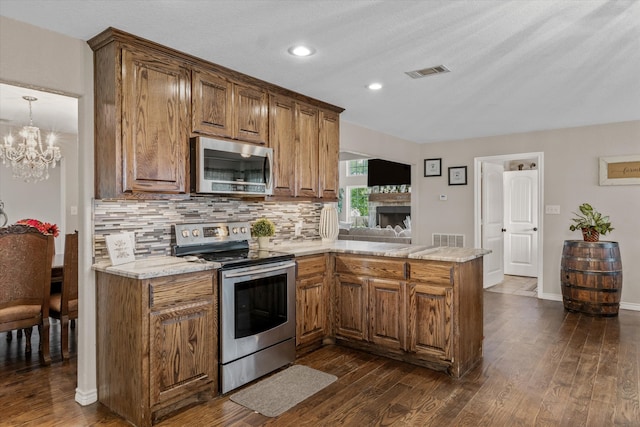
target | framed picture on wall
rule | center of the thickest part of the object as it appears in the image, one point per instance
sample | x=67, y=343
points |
x=432, y=167
x=458, y=175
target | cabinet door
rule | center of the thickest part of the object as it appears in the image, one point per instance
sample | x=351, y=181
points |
x=387, y=313
x=430, y=320
x=282, y=134
x=329, y=155
x=211, y=109
x=154, y=123
x=351, y=307
x=307, y=151
x=250, y=114
x=311, y=313
x=182, y=350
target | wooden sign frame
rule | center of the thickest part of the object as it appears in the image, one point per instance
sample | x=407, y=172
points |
x=621, y=170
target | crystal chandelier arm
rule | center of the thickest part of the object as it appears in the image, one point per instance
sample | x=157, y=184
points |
x=28, y=158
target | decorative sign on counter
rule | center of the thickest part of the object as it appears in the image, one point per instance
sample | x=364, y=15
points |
x=623, y=170
x=120, y=247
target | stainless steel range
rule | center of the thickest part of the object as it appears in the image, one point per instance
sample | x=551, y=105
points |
x=257, y=299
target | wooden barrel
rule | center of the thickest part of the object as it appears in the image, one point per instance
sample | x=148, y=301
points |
x=591, y=277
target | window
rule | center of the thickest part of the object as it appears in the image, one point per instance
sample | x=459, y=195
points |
x=357, y=167
x=357, y=205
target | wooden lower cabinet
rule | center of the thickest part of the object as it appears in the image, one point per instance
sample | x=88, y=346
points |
x=430, y=332
x=387, y=313
x=371, y=310
x=423, y=312
x=157, y=343
x=312, y=302
x=351, y=304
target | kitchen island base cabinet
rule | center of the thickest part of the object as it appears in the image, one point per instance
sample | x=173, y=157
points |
x=424, y=312
x=157, y=344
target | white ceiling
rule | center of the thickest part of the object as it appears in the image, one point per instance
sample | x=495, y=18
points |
x=516, y=66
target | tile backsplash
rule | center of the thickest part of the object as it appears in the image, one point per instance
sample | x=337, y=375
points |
x=152, y=220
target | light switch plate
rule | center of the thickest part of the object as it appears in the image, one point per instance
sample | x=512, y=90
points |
x=443, y=197
x=552, y=209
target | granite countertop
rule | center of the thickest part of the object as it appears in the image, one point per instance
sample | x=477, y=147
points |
x=395, y=250
x=160, y=266
x=168, y=265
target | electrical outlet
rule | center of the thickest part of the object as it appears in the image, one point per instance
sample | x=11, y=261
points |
x=443, y=197
x=552, y=209
x=297, y=229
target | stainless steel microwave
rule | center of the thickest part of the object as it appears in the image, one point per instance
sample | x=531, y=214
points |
x=226, y=167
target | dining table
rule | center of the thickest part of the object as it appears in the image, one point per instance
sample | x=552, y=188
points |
x=56, y=273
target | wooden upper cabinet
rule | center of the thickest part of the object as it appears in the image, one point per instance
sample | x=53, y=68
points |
x=154, y=115
x=250, y=114
x=329, y=155
x=220, y=107
x=282, y=134
x=141, y=119
x=307, y=151
x=305, y=141
x=211, y=97
x=150, y=99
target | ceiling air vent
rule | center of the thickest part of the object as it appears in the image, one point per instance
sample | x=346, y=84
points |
x=417, y=74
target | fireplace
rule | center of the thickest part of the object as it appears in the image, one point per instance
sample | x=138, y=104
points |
x=392, y=215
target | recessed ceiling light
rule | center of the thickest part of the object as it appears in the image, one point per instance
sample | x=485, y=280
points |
x=375, y=86
x=301, y=50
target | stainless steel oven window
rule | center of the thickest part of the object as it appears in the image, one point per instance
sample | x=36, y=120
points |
x=260, y=305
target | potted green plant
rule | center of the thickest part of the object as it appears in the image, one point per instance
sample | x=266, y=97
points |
x=263, y=229
x=591, y=222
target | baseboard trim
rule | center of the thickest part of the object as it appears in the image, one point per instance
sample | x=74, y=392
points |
x=630, y=306
x=623, y=305
x=85, y=398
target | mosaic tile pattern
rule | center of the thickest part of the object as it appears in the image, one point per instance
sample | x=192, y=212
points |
x=152, y=220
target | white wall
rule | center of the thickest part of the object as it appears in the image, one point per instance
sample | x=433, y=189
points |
x=42, y=59
x=570, y=177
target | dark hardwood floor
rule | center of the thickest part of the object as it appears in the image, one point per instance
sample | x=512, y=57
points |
x=542, y=367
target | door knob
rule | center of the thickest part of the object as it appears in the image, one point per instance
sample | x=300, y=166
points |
x=535, y=228
x=504, y=230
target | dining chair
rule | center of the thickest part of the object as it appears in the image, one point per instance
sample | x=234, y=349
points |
x=25, y=281
x=64, y=305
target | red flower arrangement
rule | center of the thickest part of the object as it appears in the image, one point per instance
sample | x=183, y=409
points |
x=43, y=227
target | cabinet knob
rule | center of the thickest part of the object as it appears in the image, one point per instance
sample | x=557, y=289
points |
x=535, y=228
x=504, y=230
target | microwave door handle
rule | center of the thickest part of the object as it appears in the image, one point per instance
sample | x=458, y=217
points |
x=265, y=167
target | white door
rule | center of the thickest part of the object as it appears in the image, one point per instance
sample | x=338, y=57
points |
x=492, y=223
x=521, y=223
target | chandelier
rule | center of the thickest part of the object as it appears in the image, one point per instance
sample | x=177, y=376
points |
x=28, y=159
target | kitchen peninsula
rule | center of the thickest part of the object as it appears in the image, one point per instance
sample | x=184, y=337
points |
x=419, y=304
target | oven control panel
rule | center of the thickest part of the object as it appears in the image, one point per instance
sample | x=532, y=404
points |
x=203, y=233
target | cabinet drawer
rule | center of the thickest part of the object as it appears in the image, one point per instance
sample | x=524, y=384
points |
x=431, y=272
x=383, y=268
x=311, y=266
x=175, y=289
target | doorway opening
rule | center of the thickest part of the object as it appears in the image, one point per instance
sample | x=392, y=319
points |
x=514, y=235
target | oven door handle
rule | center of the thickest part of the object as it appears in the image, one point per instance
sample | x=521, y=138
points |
x=256, y=270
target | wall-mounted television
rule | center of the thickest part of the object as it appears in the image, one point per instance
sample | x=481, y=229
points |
x=385, y=172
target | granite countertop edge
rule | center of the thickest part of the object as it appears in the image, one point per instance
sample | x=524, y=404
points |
x=161, y=266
